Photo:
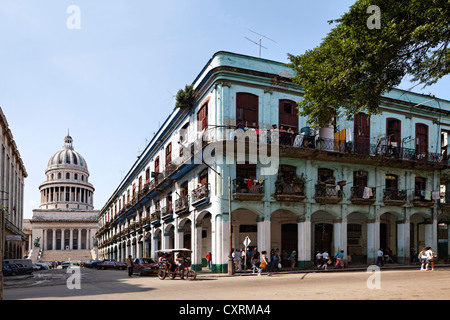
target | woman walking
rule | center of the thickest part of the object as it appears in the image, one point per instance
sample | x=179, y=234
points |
x=264, y=263
x=430, y=257
x=340, y=259
x=423, y=259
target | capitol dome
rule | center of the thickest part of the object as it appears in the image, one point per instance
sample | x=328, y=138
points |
x=67, y=185
x=67, y=158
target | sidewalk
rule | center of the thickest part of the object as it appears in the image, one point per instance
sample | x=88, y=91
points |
x=205, y=272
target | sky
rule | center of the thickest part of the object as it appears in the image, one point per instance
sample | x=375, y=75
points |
x=109, y=71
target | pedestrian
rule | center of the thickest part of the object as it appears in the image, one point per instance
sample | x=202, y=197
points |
x=340, y=259
x=387, y=256
x=255, y=260
x=237, y=257
x=243, y=258
x=292, y=259
x=209, y=259
x=318, y=262
x=130, y=265
x=275, y=258
x=430, y=257
x=326, y=260
x=380, y=257
x=423, y=259
x=263, y=264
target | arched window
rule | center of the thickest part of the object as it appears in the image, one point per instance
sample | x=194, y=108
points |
x=287, y=115
x=325, y=175
x=67, y=176
x=247, y=109
x=421, y=138
x=393, y=131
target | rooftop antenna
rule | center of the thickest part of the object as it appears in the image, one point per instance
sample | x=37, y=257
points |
x=259, y=42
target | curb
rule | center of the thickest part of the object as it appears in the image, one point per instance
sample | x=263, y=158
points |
x=314, y=270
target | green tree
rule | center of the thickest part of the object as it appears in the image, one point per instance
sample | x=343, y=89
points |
x=356, y=64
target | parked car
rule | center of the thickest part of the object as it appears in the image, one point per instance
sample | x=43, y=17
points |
x=40, y=266
x=67, y=264
x=111, y=265
x=9, y=269
x=23, y=269
x=93, y=263
x=145, y=266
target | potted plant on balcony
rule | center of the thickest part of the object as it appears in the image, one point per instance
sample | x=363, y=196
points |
x=299, y=184
x=279, y=185
x=186, y=98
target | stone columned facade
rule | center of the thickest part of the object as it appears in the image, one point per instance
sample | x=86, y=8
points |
x=65, y=224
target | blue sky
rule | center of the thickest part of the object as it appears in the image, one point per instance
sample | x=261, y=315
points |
x=112, y=82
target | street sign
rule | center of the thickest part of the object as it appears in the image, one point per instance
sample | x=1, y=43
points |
x=247, y=241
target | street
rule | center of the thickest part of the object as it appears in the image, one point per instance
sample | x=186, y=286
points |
x=407, y=284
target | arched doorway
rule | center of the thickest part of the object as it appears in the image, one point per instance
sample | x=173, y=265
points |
x=388, y=232
x=356, y=233
x=443, y=236
x=284, y=234
x=169, y=234
x=322, y=224
x=204, y=219
x=185, y=226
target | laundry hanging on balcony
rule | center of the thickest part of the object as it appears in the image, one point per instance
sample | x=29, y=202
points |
x=367, y=193
x=435, y=195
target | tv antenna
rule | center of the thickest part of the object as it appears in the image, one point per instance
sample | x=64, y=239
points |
x=259, y=42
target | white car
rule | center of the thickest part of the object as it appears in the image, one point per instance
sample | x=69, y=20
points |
x=67, y=264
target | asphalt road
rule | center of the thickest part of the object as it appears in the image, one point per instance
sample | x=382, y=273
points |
x=116, y=285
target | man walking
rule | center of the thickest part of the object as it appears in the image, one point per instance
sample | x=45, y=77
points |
x=380, y=257
x=130, y=265
x=237, y=257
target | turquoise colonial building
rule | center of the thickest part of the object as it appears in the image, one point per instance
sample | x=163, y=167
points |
x=356, y=185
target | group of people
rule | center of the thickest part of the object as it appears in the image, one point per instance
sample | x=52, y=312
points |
x=384, y=256
x=426, y=257
x=322, y=260
x=259, y=261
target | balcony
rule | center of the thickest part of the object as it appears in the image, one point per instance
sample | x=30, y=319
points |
x=363, y=195
x=316, y=148
x=200, y=196
x=394, y=197
x=248, y=189
x=421, y=199
x=291, y=192
x=155, y=218
x=167, y=213
x=328, y=194
x=182, y=205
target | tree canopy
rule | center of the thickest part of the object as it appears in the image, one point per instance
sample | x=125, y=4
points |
x=357, y=63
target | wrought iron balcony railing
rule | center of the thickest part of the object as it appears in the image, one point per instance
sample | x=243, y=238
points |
x=250, y=186
x=200, y=193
